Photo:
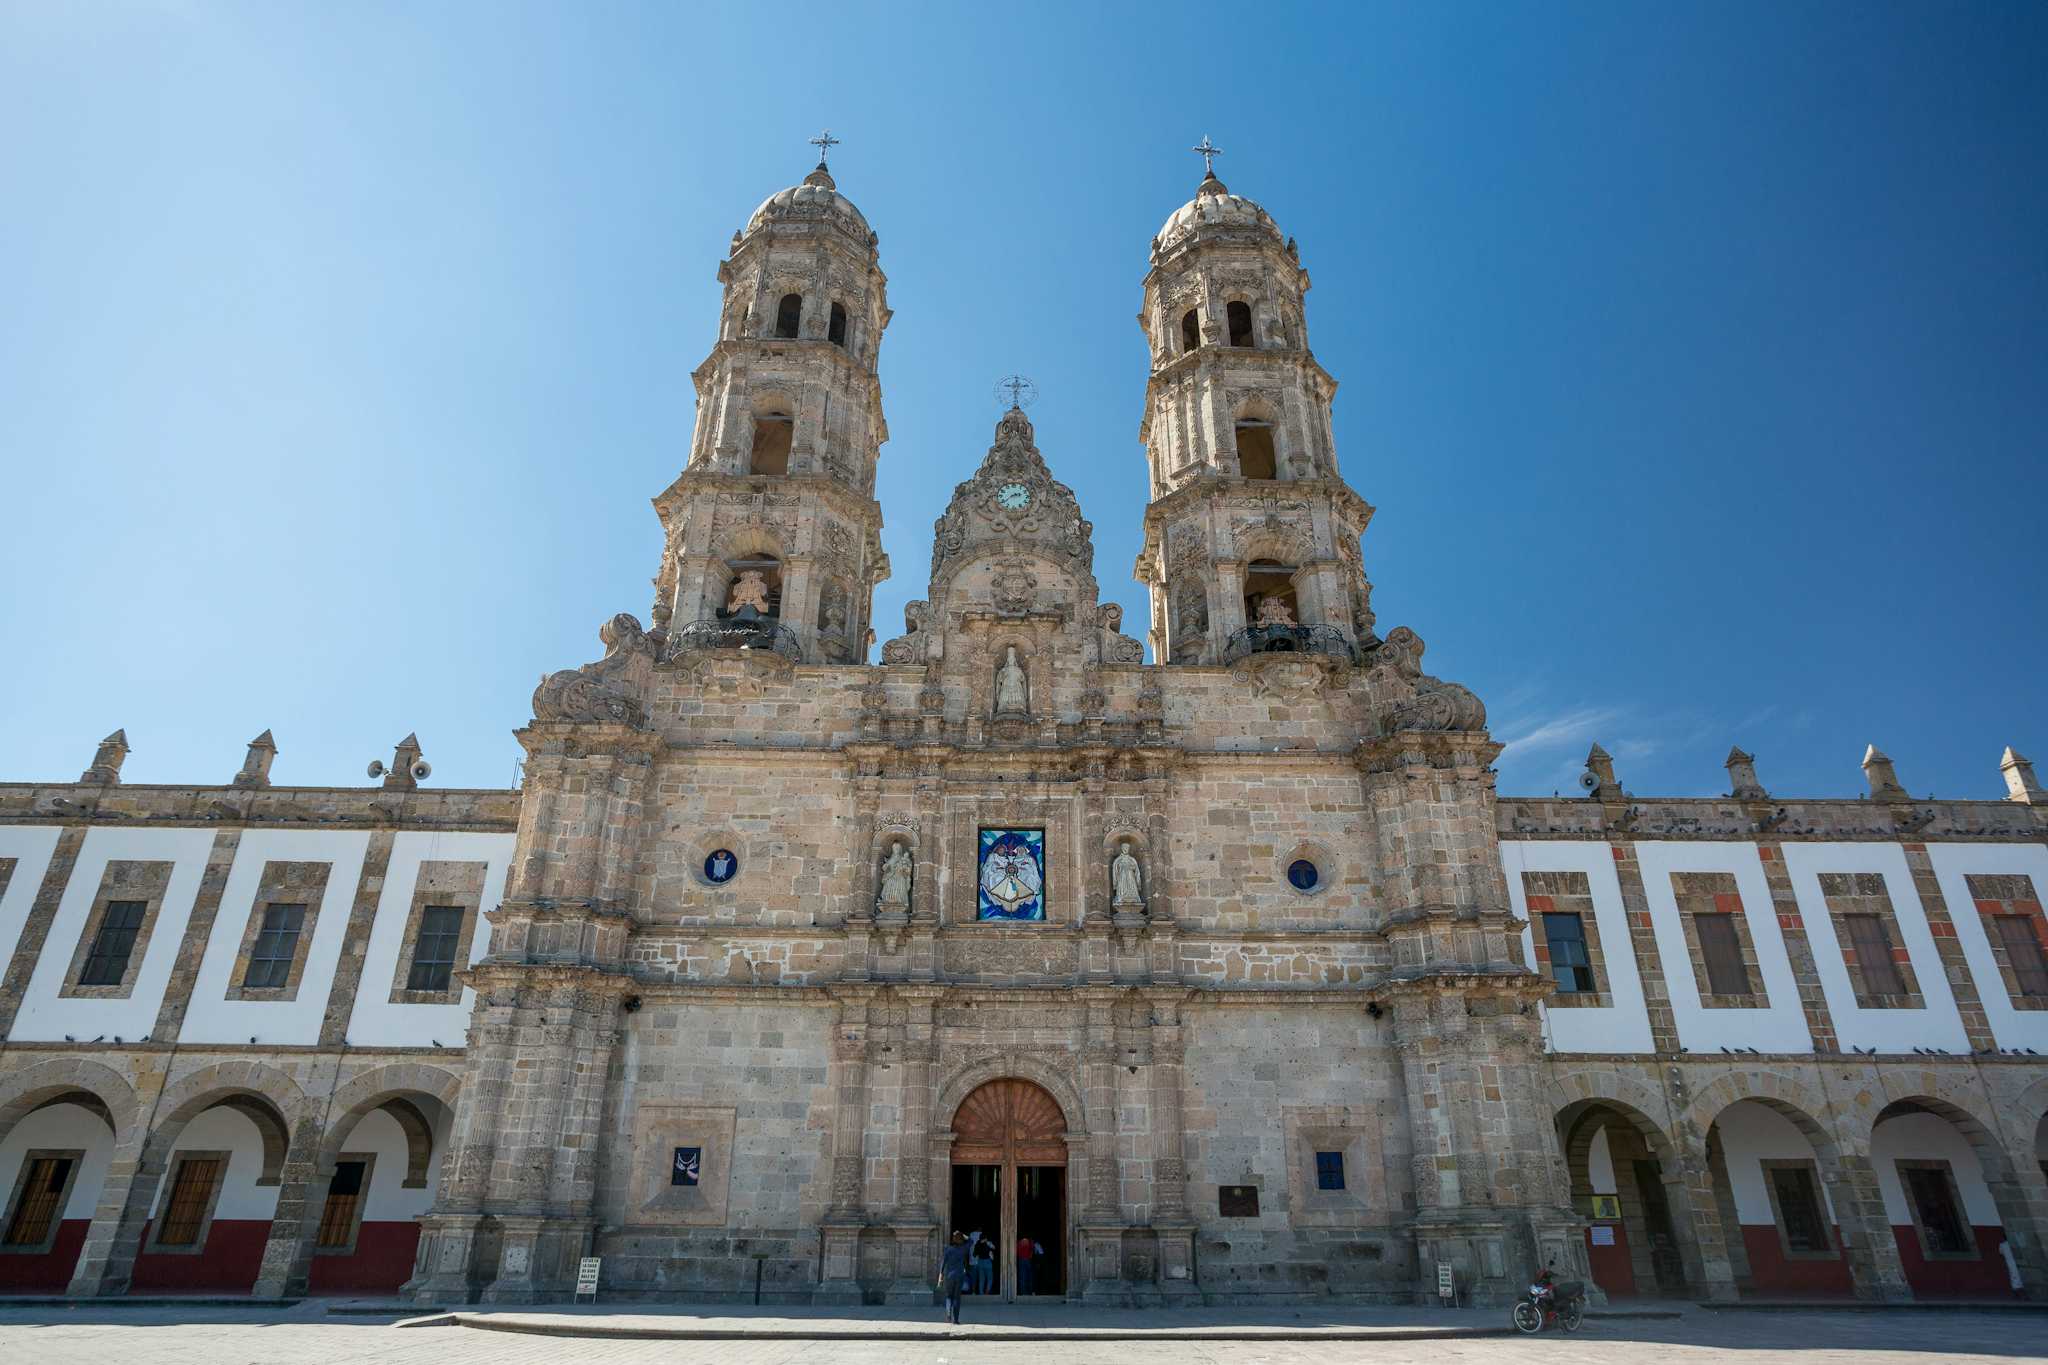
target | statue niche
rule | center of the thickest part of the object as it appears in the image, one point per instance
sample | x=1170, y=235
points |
x=1013, y=688
x=1126, y=877
x=898, y=870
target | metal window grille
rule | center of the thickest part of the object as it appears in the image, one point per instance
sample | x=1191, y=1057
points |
x=1935, y=1204
x=1726, y=972
x=1571, y=963
x=277, y=943
x=2023, y=951
x=1873, y=945
x=433, y=954
x=1799, y=1207
x=1329, y=1170
x=37, y=1207
x=185, y=1210
x=107, y=962
x=344, y=1193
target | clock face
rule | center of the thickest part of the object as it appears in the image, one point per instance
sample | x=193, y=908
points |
x=1013, y=496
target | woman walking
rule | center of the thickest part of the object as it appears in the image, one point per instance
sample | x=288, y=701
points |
x=953, y=1274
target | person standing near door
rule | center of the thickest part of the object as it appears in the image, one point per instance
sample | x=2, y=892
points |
x=1027, y=1252
x=984, y=1266
x=953, y=1274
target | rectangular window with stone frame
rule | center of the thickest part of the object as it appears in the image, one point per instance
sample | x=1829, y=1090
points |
x=110, y=951
x=1937, y=1210
x=341, y=1216
x=1718, y=941
x=190, y=1196
x=2009, y=907
x=35, y=1211
x=1566, y=936
x=1867, y=934
x=1796, y=1207
x=439, y=928
x=279, y=935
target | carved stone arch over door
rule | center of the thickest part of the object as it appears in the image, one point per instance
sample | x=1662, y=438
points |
x=1010, y=1120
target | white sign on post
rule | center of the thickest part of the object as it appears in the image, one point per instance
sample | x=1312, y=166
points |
x=1444, y=1286
x=586, y=1276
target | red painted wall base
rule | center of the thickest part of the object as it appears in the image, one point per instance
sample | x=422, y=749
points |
x=50, y=1272
x=1771, y=1271
x=382, y=1260
x=1983, y=1278
x=228, y=1262
x=1612, y=1269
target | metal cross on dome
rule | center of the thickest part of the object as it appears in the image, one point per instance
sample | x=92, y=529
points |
x=825, y=142
x=1022, y=392
x=1209, y=153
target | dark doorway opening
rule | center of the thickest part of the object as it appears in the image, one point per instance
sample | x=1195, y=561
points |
x=1042, y=1217
x=978, y=1207
x=1665, y=1262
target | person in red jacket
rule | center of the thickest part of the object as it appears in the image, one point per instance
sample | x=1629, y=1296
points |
x=1027, y=1252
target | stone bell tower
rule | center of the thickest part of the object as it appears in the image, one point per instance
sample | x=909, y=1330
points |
x=1250, y=528
x=772, y=529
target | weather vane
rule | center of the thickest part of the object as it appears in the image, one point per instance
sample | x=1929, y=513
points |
x=825, y=142
x=1021, y=392
x=1209, y=154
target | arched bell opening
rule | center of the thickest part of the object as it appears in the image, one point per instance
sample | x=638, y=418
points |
x=789, y=315
x=1009, y=1159
x=1270, y=603
x=1190, y=332
x=1256, y=457
x=1239, y=315
x=774, y=433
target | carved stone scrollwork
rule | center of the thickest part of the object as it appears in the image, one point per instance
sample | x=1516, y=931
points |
x=1289, y=677
x=1435, y=704
x=611, y=691
x=909, y=646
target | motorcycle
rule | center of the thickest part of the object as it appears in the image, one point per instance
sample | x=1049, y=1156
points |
x=1547, y=1302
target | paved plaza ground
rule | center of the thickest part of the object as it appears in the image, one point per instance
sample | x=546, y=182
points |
x=309, y=1333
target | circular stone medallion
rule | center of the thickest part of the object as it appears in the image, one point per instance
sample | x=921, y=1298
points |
x=1302, y=875
x=721, y=867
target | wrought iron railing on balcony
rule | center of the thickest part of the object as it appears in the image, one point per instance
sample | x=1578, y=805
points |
x=759, y=632
x=1287, y=640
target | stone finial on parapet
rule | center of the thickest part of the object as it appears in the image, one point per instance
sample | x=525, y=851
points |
x=107, y=760
x=256, y=767
x=2020, y=784
x=1884, y=783
x=407, y=767
x=1602, y=786
x=1742, y=783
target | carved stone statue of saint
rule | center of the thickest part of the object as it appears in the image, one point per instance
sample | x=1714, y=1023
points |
x=750, y=589
x=897, y=870
x=1125, y=876
x=1273, y=611
x=1010, y=695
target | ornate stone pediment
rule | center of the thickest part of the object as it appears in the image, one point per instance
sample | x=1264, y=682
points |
x=1290, y=677
x=1013, y=499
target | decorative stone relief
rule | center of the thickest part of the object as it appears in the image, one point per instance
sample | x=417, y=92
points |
x=611, y=691
x=1434, y=703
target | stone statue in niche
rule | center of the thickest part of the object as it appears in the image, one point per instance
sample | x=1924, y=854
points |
x=1011, y=697
x=1126, y=877
x=897, y=870
x=750, y=589
x=1274, y=611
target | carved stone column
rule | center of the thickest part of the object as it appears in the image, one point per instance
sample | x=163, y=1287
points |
x=840, y=1231
x=1101, y=1223
x=913, y=1221
x=1172, y=1223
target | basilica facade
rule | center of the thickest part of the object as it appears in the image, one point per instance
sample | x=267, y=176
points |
x=1225, y=977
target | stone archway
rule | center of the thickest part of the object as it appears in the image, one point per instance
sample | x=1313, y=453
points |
x=1009, y=1170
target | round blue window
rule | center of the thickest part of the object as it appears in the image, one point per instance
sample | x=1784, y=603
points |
x=721, y=867
x=1302, y=875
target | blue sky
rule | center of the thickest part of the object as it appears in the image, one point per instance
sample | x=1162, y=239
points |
x=1692, y=354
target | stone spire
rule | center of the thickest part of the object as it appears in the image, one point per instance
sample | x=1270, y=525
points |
x=1600, y=764
x=256, y=766
x=107, y=760
x=1742, y=783
x=2020, y=784
x=1884, y=782
x=406, y=768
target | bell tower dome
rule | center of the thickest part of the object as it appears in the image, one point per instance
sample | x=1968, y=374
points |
x=773, y=534
x=1251, y=535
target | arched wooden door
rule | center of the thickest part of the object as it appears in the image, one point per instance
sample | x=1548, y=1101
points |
x=1009, y=1168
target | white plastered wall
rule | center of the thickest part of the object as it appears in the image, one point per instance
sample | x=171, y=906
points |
x=226, y=1130
x=1953, y=863
x=376, y=1022
x=1938, y=1024
x=1929, y=1137
x=388, y=1201
x=1751, y=1134
x=211, y=1016
x=30, y=846
x=45, y=1017
x=61, y=1127
x=1623, y=1026
x=1780, y=1026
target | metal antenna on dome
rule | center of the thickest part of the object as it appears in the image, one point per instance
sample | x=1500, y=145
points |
x=825, y=142
x=1021, y=392
x=1209, y=153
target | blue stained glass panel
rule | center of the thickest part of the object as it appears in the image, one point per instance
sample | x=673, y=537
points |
x=1012, y=875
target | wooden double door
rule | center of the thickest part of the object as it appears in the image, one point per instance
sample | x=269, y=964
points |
x=1010, y=1183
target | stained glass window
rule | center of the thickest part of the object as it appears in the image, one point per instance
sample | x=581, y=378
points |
x=1012, y=883
x=689, y=1164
